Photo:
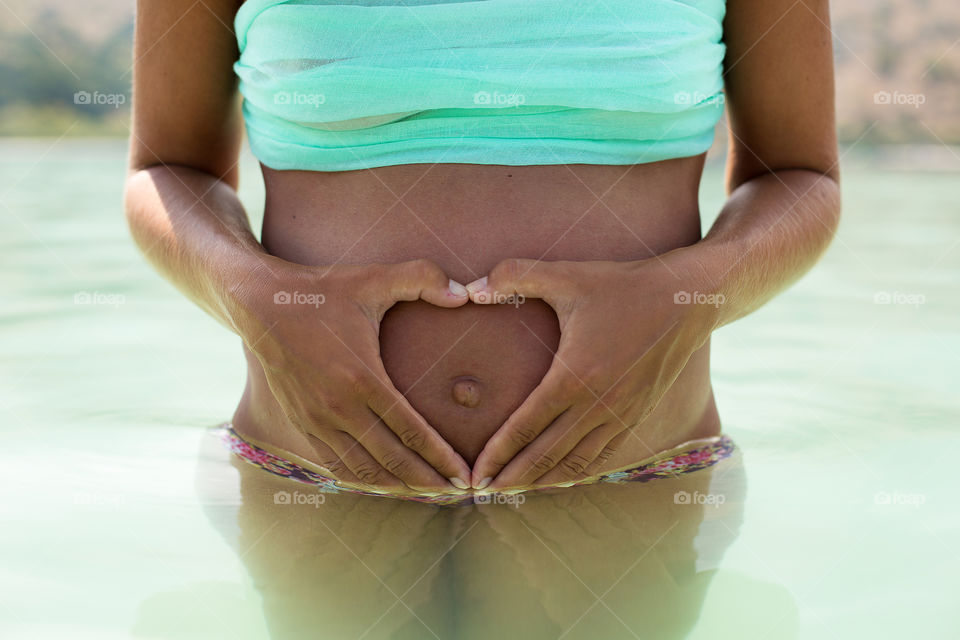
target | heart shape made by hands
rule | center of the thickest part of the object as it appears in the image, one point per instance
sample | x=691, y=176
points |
x=498, y=353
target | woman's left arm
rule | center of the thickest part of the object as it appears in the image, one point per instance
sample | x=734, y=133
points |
x=628, y=328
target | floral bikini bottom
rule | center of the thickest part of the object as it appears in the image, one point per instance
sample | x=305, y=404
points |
x=684, y=458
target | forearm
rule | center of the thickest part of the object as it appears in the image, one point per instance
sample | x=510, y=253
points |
x=771, y=231
x=192, y=228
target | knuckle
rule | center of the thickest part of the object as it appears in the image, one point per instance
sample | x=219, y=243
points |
x=382, y=393
x=606, y=453
x=355, y=377
x=333, y=465
x=333, y=407
x=370, y=473
x=413, y=439
x=318, y=418
x=543, y=462
x=574, y=464
x=396, y=465
x=522, y=436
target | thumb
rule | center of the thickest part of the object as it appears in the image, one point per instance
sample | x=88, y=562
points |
x=514, y=279
x=419, y=279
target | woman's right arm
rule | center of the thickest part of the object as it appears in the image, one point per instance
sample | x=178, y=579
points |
x=322, y=362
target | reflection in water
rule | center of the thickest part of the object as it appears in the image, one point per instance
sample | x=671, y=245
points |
x=601, y=561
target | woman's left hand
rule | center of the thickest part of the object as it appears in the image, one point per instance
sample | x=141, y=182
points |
x=627, y=330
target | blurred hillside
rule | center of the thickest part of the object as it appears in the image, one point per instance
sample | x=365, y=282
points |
x=898, y=65
x=65, y=67
x=50, y=52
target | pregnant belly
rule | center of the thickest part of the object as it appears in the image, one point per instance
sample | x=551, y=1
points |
x=466, y=369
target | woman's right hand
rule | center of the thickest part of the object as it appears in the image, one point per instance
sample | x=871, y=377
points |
x=315, y=330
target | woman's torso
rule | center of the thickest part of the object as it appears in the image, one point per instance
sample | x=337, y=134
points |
x=466, y=218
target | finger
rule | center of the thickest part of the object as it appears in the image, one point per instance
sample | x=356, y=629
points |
x=330, y=461
x=396, y=459
x=292, y=407
x=414, y=434
x=574, y=465
x=347, y=451
x=359, y=461
x=516, y=277
x=415, y=280
x=606, y=453
x=545, y=403
x=544, y=453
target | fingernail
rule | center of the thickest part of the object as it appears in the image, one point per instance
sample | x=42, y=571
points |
x=483, y=483
x=477, y=285
x=457, y=289
x=459, y=484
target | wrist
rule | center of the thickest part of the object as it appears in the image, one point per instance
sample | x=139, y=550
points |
x=242, y=284
x=705, y=271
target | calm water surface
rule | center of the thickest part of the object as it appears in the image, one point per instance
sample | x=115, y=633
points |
x=120, y=516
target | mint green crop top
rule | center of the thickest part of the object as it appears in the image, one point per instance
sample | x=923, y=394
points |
x=335, y=85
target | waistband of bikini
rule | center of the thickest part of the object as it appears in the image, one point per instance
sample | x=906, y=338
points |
x=684, y=458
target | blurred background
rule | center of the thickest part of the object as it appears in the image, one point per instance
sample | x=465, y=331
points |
x=898, y=69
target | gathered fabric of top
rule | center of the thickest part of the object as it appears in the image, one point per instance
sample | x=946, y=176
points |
x=336, y=85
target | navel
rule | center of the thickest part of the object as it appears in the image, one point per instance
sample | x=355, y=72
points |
x=466, y=391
